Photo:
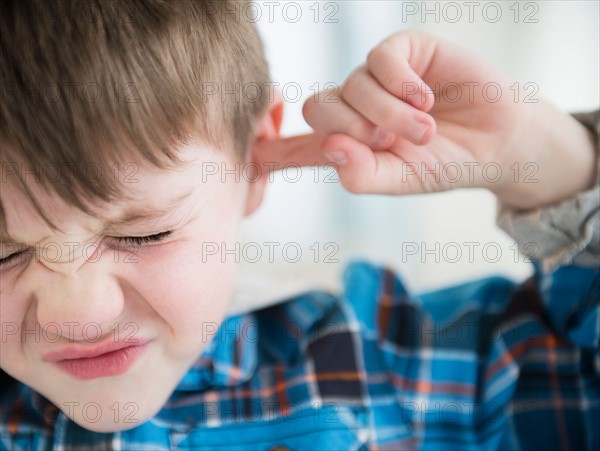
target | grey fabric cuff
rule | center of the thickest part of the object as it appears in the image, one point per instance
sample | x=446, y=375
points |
x=565, y=233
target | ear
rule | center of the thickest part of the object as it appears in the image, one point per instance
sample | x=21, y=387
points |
x=268, y=129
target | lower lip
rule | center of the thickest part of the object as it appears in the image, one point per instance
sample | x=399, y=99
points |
x=109, y=364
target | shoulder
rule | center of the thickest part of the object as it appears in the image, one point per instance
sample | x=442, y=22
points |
x=374, y=304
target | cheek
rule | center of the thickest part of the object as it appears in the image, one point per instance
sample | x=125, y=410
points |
x=20, y=333
x=10, y=321
x=13, y=310
x=186, y=287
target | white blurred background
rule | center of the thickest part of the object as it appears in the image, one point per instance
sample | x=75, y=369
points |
x=554, y=44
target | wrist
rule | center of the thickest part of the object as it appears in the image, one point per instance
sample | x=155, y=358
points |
x=559, y=151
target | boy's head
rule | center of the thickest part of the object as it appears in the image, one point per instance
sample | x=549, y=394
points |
x=113, y=111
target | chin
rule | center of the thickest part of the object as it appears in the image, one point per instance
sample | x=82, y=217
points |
x=107, y=406
x=109, y=425
x=115, y=417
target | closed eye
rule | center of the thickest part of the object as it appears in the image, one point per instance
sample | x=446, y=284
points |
x=143, y=240
x=6, y=260
x=135, y=240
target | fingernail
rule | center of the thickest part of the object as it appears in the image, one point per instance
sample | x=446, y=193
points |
x=418, y=130
x=337, y=156
x=383, y=139
x=416, y=98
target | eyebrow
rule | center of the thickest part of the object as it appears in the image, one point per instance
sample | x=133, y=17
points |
x=147, y=214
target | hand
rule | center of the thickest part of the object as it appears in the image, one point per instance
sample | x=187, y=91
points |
x=388, y=133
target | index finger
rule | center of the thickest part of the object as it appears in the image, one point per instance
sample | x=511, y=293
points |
x=302, y=150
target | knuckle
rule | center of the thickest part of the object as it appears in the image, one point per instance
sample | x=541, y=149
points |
x=375, y=55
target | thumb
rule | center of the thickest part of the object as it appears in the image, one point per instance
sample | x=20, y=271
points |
x=362, y=170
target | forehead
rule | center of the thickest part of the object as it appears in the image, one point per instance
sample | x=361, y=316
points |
x=151, y=191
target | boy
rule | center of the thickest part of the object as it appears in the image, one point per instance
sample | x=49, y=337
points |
x=107, y=308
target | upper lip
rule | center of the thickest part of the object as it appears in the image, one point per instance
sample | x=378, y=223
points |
x=85, y=351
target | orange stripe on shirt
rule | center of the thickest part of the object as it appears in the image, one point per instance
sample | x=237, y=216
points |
x=15, y=417
x=280, y=387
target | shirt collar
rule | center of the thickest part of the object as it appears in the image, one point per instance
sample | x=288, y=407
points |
x=229, y=359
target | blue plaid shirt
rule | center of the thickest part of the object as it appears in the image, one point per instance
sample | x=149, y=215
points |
x=484, y=365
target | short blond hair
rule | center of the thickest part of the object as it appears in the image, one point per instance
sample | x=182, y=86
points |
x=152, y=61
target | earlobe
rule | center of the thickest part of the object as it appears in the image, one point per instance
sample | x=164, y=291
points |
x=267, y=129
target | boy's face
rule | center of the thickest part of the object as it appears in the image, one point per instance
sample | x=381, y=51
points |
x=168, y=297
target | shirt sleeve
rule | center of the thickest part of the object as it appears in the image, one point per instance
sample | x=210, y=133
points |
x=565, y=233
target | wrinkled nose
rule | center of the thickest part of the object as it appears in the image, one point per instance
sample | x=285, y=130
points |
x=81, y=301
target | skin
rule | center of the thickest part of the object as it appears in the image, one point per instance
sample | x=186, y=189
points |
x=378, y=130
x=170, y=291
x=167, y=292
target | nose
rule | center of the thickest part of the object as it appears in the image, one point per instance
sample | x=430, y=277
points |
x=80, y=303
